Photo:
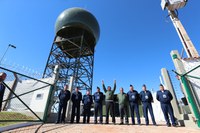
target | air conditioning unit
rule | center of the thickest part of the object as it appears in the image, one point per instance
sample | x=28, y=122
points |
x=172, y=4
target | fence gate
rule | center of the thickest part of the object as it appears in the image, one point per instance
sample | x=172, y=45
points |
x=25, y=98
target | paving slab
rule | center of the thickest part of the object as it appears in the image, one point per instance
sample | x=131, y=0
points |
x=102, y=128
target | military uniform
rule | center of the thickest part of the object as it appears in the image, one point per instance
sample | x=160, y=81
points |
x=98, y=99
x=109, y=103
x=76, y=99
x=63, y=96
x=165, y=98
x=87, y=102
x=133, y=98
x=123, y=107
x=2, y=90
x=146, y=98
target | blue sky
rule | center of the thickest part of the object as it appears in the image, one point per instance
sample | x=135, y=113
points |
x=135, y=40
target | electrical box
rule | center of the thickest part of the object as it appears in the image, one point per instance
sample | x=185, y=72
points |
x=172, y=4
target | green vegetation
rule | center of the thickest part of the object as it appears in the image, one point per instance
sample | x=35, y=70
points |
x=3, y=124
x=14, y=116
x=9, y=118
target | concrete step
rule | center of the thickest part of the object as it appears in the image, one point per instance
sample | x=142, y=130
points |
x=189, y=121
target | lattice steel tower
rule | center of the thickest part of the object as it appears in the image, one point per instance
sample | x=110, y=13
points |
x=77, y=32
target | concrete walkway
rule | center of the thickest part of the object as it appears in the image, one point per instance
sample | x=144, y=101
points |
x=91, y=128
x=102, y=128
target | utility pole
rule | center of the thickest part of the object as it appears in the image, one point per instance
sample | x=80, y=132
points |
x=172, y=6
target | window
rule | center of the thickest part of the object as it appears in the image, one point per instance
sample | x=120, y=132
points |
x=39, y=96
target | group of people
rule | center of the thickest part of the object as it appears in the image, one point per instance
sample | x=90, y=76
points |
x=126, y=100
x=131, y=100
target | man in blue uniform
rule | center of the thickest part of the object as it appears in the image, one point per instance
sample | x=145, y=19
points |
x=63, y=96
x=146, y=98
x=76, y=99
x=133, y=98
x=109, y=101
x=165, y=97
x=87, y=102
x=2, y=87
x=98, y=99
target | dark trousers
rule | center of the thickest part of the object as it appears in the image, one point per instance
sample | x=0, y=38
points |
x=75, y=107
x=123, y=111
x=61, y=108
x=147, y=106
x=98, y=109
x=110, y=107
x=167, y=109
x=86, y=112
x=134, y=108
x=1, y=99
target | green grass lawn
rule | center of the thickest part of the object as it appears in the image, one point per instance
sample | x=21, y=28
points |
x=9, y=118
x=3, y=124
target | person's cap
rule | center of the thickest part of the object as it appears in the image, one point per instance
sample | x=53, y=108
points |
x=161, y=85
x=131, y=85
x=98, y=88
x=143, y=85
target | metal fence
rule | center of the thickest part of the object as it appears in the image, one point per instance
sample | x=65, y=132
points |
x=191, y=83
x=25, y=98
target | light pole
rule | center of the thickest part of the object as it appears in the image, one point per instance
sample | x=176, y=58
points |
x=10, y=45
x=172, y=6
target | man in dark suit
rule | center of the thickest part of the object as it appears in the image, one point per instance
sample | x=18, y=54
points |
x=98, y=101
x=63, y=96
x=2, y=87
x=76, y=99
x=146, y=98
x=87, y=103
x=165, y=97
x=133, y=98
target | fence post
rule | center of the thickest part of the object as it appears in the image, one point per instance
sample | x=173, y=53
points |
x=69, y=105
x=14, y=85
x=47, y=112
x=186, y=88
x=48, y=104
x=191, y=99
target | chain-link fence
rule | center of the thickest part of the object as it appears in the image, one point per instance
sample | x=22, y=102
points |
x=25, y=98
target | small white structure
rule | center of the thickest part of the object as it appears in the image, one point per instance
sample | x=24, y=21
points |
x=36, y=100
x=39, y=99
